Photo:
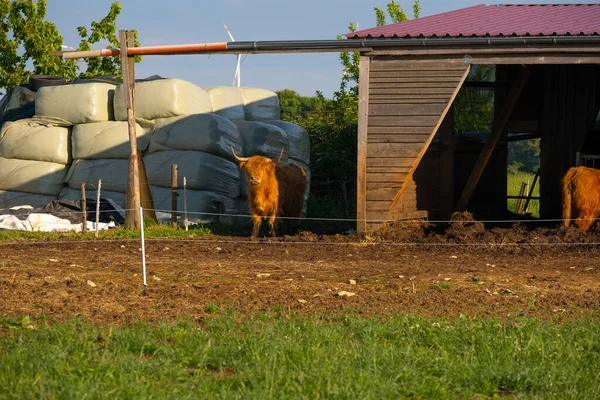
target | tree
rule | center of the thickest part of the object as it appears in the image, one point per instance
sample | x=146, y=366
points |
x=26, y=39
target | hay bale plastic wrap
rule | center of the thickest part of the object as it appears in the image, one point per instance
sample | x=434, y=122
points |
x=298, y=139
x=260, y=104
x=90, y=193
x=202, y=206
x=261, y=139
x=77, y=103
x=38, y=177
x=27, y=140
x=202, y=171
x=209, y=133
x=10, y=199
x=113, y=173
x=163, y=98
x=107, y=140
x=227, y=102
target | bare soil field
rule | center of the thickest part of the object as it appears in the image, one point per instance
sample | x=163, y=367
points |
x=466, y=270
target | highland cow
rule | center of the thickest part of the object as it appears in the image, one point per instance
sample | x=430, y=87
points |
x=581, y=197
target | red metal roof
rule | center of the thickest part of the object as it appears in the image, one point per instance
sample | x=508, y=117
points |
x=497, y=20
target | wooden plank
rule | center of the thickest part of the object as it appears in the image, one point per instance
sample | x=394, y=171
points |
x=399, y=130
x=416, y=73
x=420, y=84
x=490, y=145
x=388, y=194
x=363, y=121
x=405, y=100
x=411, y=91
x=401, y=79
x=379, y=217
x=411, y=97
x=387, y=178
x=384, y=150
x=418, y=65
x=387, y=169
x=548, y=59
x=405, y=109
x=390, y=161
x=427, y=120
x=396, y=138
x=433, y=131
x=495, y=50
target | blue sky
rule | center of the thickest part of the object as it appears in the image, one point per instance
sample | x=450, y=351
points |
x=198, y=21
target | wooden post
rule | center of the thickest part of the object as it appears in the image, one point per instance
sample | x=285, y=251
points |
x=174, y=196
x=522, y=193
x=446, y=202
x=490, y=145
x=133, y=201
x=185, y=216
x=98, y=205
x=535, y=178
x=145, y=193
x=361, y=162
x=83, y=209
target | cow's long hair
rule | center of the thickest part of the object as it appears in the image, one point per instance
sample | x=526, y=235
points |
x=581, y=197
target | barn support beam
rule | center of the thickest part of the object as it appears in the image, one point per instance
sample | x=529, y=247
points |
x=498, y=127
x=363, y=119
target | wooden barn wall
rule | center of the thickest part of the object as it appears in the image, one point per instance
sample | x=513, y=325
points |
x=570, y=106
x=406, y=104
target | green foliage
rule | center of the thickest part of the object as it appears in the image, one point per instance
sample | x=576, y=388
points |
x=269, y=356
x=524, y=155
x=26, y=38
x=474, y=107
x=294, y=105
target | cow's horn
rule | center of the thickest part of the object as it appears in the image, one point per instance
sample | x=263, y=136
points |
x=240, y=159
x=279, y=158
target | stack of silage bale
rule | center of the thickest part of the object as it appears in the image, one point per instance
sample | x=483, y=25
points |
x=34, y=158
x=188, y=134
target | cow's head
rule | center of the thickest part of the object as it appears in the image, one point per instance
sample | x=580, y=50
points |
x=257, y=168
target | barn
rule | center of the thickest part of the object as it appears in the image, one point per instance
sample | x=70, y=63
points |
x=521, y=72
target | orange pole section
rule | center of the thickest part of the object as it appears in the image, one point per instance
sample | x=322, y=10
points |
x=151, y=50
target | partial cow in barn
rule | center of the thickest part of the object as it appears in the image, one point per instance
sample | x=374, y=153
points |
x=275, y=192
x=581, y=197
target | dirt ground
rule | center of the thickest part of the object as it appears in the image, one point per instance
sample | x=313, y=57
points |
x=466, y=269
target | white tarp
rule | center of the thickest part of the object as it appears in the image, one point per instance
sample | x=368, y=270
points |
x=112, y=172
x=47, y=223
x=77, y=103
x=25, y=139
x=163, y=98
x=227, y=101
x=109, y=139
x=260, y=104
x=202, y=171
x=209, y=133
x=36, y=177
x=19, y=97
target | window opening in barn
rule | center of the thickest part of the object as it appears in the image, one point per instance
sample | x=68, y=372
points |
x=474, y=105
x=523, y=174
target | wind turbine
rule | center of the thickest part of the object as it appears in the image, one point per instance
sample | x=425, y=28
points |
x=237, y=78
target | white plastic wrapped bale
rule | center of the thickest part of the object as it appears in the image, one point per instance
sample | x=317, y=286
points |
x=260, y=139
x=27, y=140
x=163, y=98
x=202, y=171
x=10, y=199
x=298, y=139
x=77, y=103
x=209, y=133
x=90, y=192
x=20, y=96
x=109, y=139
x=112, y=172
x=202, y=206
x=260, y=104
x=227, y=102
x=38, y=177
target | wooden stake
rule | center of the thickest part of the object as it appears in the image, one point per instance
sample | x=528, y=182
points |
x=530, y=195
x=174, y=196
x=132, y=218
x=185, y=216
x=83, y=209
x=145, y=193
x=522, y=193
x=98, y=206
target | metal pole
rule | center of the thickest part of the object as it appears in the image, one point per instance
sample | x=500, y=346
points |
x=98, y=206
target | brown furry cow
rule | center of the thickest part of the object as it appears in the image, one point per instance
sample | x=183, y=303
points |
x=275, y=191
x=581, y=196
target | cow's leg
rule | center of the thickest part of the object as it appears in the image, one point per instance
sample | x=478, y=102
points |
x=585, y=221
x=256, y=220
x=272, y=224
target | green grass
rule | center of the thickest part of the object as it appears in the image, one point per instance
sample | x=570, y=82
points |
x=151, y=230
x=514, y=187
x=286, y=356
